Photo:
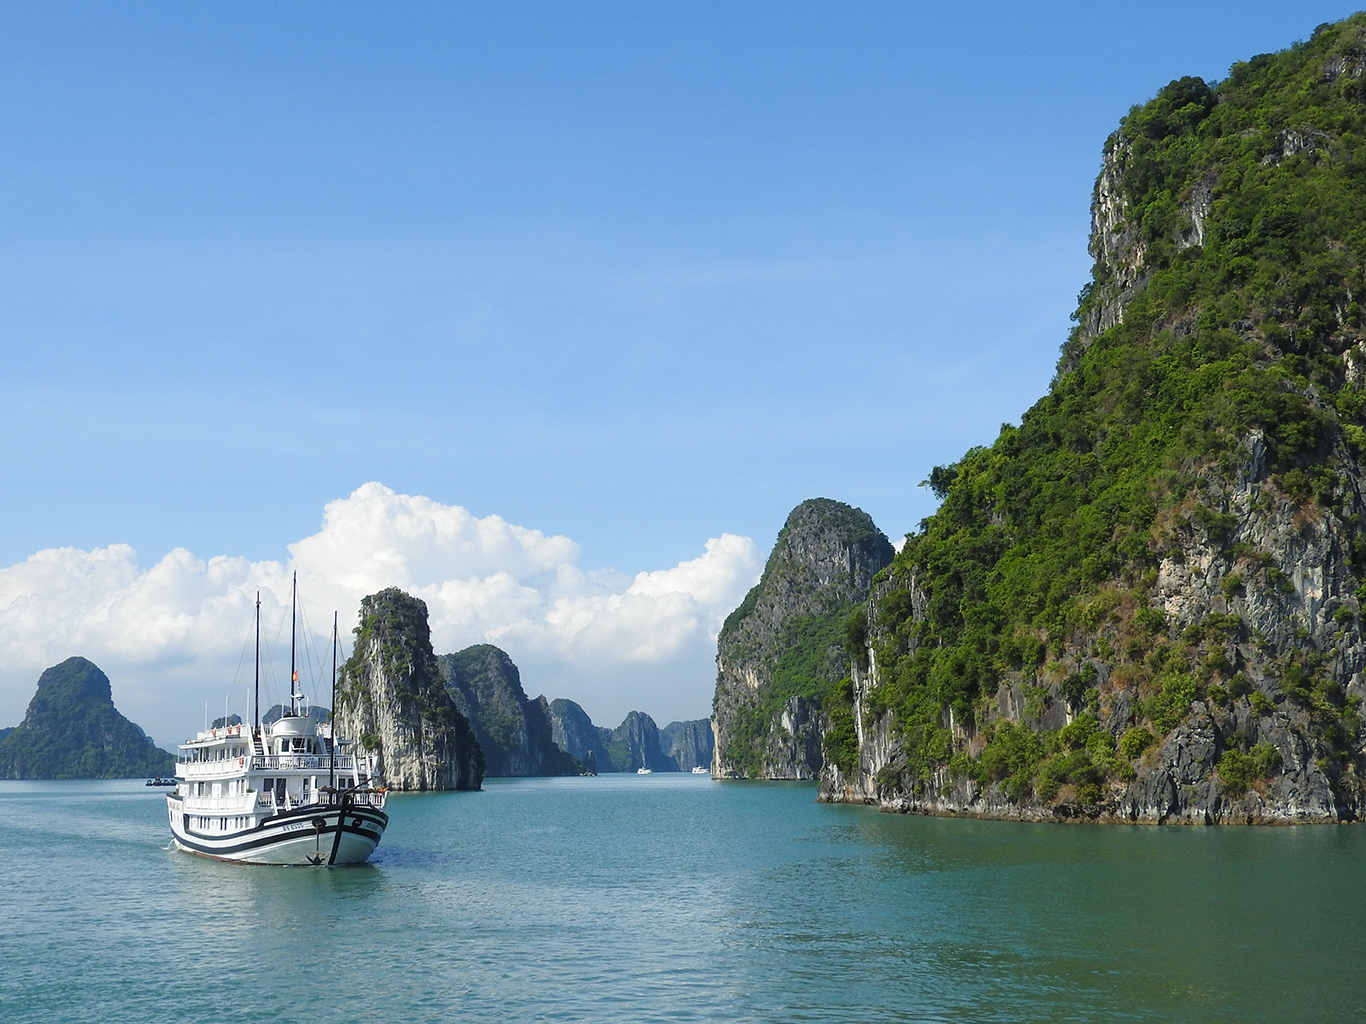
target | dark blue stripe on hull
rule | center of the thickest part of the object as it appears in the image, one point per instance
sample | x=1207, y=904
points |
x=366, y=823
x=274, y=840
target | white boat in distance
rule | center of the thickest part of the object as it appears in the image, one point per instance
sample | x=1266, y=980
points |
x=282, y=793
x=700, y=770
x=642, y=770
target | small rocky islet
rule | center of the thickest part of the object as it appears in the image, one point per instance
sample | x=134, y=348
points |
x=73, y=731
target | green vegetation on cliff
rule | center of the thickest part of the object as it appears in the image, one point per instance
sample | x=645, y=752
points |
x=1221, y=335
x=392, y=696
x=811, y=656
x=73, y=731
x=513, y=731
x=784, y=647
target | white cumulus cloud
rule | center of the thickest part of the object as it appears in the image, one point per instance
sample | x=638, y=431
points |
x=178, y=633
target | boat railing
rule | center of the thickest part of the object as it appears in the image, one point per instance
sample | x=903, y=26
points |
x=294, y=762
x=359, y=798
x=252, y=800
x=322, y=798
x=243, y=804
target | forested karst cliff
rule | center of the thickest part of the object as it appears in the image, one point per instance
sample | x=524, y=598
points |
x=636, y=743
x=781, y=651
x=73, y=731
x=391, y=697
x=689, y=744
x=574, y=732
x=1144, y=603
x=513, y=731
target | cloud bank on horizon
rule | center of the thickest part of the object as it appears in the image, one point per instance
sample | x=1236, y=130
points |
x=177, y=634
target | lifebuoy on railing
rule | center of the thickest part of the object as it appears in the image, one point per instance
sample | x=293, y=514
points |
x=241, y=761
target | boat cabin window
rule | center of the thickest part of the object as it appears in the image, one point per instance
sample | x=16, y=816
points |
x=298, y=743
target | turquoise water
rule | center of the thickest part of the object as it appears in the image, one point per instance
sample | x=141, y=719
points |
x=675, y=898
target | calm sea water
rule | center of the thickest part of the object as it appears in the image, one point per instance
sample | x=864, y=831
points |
x=675, y=898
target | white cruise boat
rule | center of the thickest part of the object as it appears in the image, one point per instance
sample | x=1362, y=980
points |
x=282, y=793
x=282, y=796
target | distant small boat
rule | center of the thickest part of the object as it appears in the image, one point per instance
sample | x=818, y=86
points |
x=644, y=771
x=699, y=770
x=159, y=781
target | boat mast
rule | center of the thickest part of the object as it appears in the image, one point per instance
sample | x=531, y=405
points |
x=294, y=693
x=256, y=715
x=332, y=767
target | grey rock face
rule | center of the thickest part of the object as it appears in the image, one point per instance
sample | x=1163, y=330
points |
x=513, y=731
x=1177, y=782
x=635, y=744
x=782, y=649
x=392, y=697
x=1247, y=554
x=574, y=732
x=1116, y=244
x=689, y=744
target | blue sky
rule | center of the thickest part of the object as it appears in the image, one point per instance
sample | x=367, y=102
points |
x=640, y=274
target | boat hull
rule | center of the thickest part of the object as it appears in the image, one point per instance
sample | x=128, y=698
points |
x=310, y=836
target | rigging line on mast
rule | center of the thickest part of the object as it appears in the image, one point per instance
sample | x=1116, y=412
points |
x=241, y=658
x=272, y=679
x=268, y=672
x=293, y=668
x=257, y=712
x=332, y=713
x=310, y=651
